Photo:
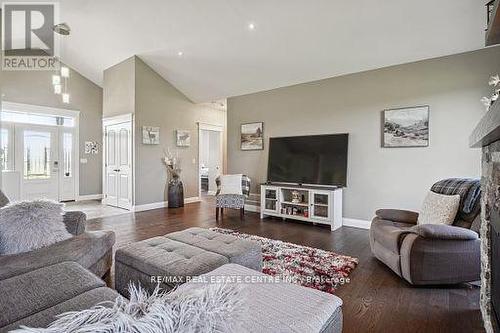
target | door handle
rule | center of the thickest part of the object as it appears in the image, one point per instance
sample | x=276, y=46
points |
x=116, y=170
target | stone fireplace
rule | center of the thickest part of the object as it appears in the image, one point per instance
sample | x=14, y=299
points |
x=487, y=136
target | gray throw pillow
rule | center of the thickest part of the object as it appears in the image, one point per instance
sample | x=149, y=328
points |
x=30, y=225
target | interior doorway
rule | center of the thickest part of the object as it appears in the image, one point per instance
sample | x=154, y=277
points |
x=210, y=157
x=38, y=153
x=118, y=145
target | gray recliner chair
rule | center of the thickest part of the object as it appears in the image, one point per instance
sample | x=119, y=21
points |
x=432, y=254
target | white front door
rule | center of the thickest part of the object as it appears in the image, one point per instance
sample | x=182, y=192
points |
x=118, y=164
x=37, y=155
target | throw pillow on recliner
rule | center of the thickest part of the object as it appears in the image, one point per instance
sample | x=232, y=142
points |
x=30, y=225
x=439, y=209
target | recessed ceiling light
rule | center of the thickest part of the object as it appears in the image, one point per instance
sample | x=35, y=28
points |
x=251, y=26
x=180, y=53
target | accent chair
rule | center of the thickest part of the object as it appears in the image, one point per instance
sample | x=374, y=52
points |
x=234, y=201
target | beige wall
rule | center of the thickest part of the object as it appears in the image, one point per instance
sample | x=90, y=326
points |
x=133, y=87
x=35, y=87
x=377, y=177
x=158, y=103
x=119, y=88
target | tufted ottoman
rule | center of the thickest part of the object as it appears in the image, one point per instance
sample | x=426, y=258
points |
x=161, y=259
x=236, y=250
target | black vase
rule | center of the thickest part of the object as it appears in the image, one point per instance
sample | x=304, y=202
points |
x=175, y=193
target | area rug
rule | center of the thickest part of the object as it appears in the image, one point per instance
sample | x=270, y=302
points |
x=307, y=266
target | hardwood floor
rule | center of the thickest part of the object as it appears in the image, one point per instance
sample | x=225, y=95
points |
x=376, y=300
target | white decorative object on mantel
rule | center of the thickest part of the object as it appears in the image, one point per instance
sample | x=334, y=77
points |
x=495, y=83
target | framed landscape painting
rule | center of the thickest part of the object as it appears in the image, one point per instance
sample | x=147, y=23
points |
x=406, y=127
x=252, y=136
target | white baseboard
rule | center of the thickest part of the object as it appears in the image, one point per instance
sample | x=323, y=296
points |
x=89, y=197
x=161, y=204
x=153, y=205
x=252, y=208
x=192, y=199
x=355, y=223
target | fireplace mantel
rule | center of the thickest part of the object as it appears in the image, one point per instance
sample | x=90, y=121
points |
x=488, y=129
x=486, y=135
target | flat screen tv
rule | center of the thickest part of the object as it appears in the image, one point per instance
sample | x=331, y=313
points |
x=308, y=160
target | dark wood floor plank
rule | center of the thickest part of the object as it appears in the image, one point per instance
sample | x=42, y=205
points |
x=376, y=299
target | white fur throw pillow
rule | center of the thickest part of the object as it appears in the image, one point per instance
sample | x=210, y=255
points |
x=30, y=225
x=439, y=209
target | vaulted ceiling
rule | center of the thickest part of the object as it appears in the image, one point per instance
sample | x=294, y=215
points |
x=293, y=41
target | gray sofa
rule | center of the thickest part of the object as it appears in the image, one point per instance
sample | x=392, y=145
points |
x=35, y=286
x=429, y=254
x=92, y=250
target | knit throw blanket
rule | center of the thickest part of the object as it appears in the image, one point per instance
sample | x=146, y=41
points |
x=214, y=308
x=468, y=189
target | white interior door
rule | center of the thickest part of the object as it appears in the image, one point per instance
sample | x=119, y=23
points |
x=214, y=159
x=118, y=175
x=37, y=156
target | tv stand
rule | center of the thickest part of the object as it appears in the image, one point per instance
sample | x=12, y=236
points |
x=315, y=204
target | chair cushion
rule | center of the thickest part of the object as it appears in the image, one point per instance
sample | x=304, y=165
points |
x=86, y=249
x=238, y=251
x=83, y=301
x=230, y=201
x=439, y=209
x=27, y=294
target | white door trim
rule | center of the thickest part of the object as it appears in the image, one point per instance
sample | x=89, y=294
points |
x=31, y=108
x=123, y=118
x=208, y=127
x=39, y=109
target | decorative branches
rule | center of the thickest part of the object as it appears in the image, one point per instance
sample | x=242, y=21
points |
x=172, y=163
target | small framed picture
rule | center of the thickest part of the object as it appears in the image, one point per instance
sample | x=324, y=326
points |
x=252, y=136
x=150, y=135
x=406, y=127
x=183, y=138
x=91, y=147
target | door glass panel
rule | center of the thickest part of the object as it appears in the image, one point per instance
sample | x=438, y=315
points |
x=123, y=147
x=4, y=150
x=36, y=155
x=111, y=148
x=321, y=199
x=271, y=194
x=321, y=211
x=67, y=152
